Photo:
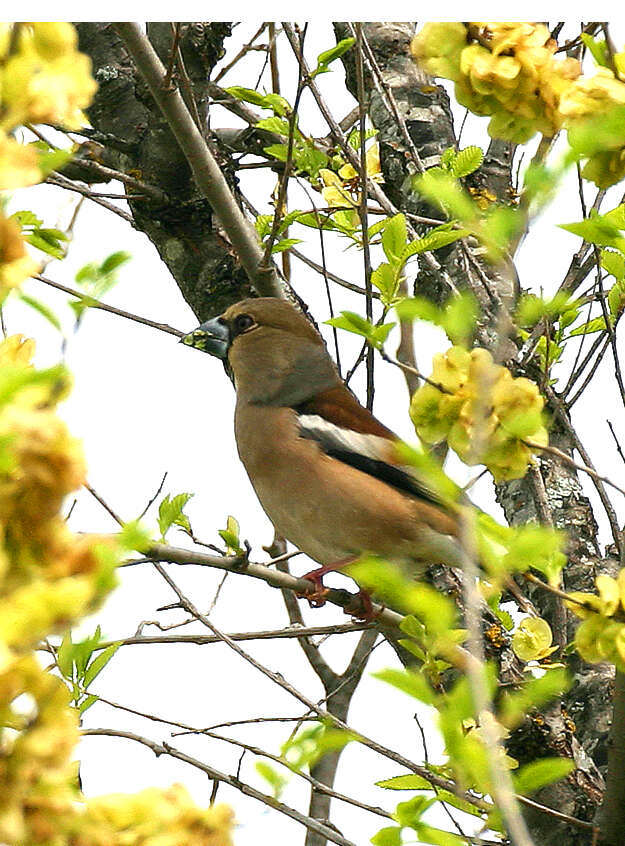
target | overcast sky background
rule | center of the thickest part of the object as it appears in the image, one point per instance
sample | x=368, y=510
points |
x=144, y=404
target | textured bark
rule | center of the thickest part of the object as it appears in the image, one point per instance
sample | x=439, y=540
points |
x=140, y=143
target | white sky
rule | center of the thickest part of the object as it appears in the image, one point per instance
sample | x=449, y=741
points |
x=143, y=405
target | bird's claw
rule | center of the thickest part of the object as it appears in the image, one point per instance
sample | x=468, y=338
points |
x=317, y=597
x=361, y=607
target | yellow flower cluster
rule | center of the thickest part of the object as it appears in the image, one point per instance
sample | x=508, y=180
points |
x=341, y=189
x=153, y=817
x=506, y=70
x=43, y=79
x=49, y=578
x=602, y=97
x=485, y=414
x=601, y=637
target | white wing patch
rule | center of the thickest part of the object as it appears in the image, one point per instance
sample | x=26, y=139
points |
x=334, y=438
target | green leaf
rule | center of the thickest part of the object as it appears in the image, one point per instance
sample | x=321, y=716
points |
x=439, y=237
x=598, y=49
x=231, y=536
x=352, y=322
x=98, y=664
x=537, y=774
x=87, y=703
x=388, y=836
x=46, y=243
x=405, y=782
x=278, y=151
x=596, y=325
x=614, y=264
x=114, y=261
x=135, y=537
x=599, y=230
x=466, y=162
x=276, y=780
x=394, y=238
x=274, y=124
x=460, y=315
x=448, y=158
x=534, y=693
x=616, y=299
x=42, y=309
x=248, y=95
x=285, y=244
x=410, y=682
x=386, y=281
x=170, y=513
x=64, y=654
x=328, y=56
x=26, y=218
x=438, y=837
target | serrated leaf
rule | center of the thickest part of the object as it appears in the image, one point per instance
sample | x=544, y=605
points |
x=466, y=161
x=599, y=230
x=394, y=238
x=373, y=230
x=596, y=325
x=278, y=151
x=614, y=264
x=352, y=322
x=448, y=157
x=285, y=244
x=246, y=94
x=434, y=240
x=537, y=774
x=274, y=124
x=616, y=299
x=170, y=512
x=98, y=664
x=26, y=218
x=46, y=244
x=231, y=536
x=386, y=281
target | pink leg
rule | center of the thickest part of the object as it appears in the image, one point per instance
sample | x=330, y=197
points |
x=317, y=597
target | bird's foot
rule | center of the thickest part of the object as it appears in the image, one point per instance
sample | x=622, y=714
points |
x=361, y=607
x=317, y=597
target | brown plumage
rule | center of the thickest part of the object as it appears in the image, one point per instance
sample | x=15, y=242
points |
x=324, y=468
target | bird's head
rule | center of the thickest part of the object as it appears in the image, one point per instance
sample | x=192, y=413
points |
x=275, y=354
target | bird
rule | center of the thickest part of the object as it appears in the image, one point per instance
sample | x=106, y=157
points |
x=328, y=474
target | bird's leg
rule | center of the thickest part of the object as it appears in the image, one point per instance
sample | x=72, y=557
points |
x=361, y=607
x=317, y=597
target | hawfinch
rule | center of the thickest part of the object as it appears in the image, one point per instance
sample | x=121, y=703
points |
x=324, y=469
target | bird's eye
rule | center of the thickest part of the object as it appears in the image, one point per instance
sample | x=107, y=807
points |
x=243, y=322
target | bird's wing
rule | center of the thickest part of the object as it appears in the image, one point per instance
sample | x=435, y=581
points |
x=346, y=431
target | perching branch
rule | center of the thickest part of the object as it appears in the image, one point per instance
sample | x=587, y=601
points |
x=206, y=171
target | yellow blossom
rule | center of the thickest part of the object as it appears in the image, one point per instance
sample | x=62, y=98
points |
x=19, y=165
x=487, y=416
x=15, y=263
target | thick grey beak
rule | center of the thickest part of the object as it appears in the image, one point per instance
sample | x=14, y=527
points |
x=212, y=337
